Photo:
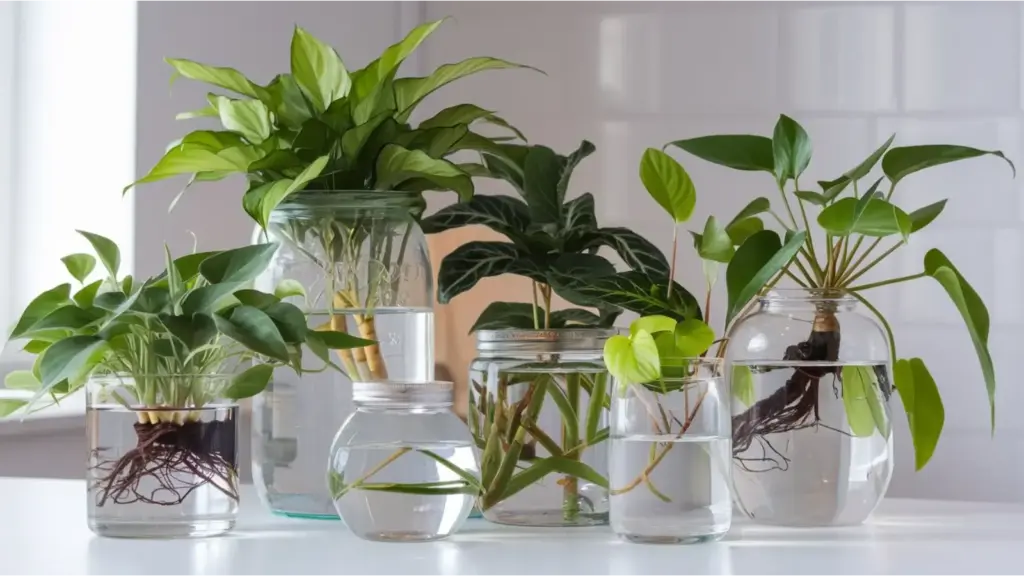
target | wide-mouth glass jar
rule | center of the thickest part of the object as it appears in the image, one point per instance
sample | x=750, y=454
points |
x=538, y=414
x=355, y=261
x=670, y=457
x=811, y=428
x=159, y=467
x=402, y=467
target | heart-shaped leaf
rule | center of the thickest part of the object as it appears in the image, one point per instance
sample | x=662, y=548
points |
x=759, y=259
x=652, y=324
x=668, y=183
x=715, y=243
x=287, y=288
x=923, y=405
x=737, y=151
x=252, y=328
x=193, y=331
x=791, y=148
x=740, y=230
x=857, y=385
x=40, y=306
x=79, y=265
x=250, y=382
x=742, y=384
x=237, y=265
x=633, y=359
x=693, y=337
x=70, y=359
x=105, y=248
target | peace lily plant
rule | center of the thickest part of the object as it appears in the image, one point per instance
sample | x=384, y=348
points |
x=335, y=134
x=170, y=345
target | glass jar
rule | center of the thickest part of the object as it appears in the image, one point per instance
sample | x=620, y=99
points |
x=402, y=467
x=538, y=413
x=811, y=426
x=160, y=468
x=670, y=461
x=355, y=262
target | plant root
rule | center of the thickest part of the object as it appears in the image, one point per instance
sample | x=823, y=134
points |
x=179, y=457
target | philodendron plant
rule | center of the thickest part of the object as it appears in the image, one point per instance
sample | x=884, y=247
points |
x=168, y=338
x=323, y=129
x=862, y=225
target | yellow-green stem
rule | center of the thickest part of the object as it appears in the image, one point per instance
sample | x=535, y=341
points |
x=872, y=264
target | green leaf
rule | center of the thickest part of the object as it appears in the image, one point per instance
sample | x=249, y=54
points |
x=636, y=251
x=287, y=288
x=542, y=468
x=9, y=406
x=923, y=216
x=79, y=265
x=84, y=297
x=506, y=315
x=290, y=321
x=652, y=324
x=570, y=419
x=901, y=162
x=715, y=243
x=503, y=214
x=633, y=359
x=812, y=197
x=286, y=101
x=366, y=79
x=974, y=313
x=205, y=298
x=469, y=478
x=396, y=165
x=857, y=384
x=877, y=219
x=252, y=328
x=791, y=148
x=188, y=265
x=37, y=346
x=227, y=78
x=737, y=151
x=70, y=359
x=188, y=160
x=260, y=202
x=569, y=164
x=200, y=113
x=757, y=206
x=634, y=291
x=318, y=70
x=467, y=114
x=40, y=307
x=862, y=169
x=424, y=488
x=578, y=266
x=740, y=230
x=923, y=405
x=250, y=118
x=578, y=317
x=21, y=380
x=755, y=263
x=338, y=340
x=669, y=184
x=579, y=215
x=105, y=248
x=250, y=382
x=834, y=188
x=410, y=91
x=742, y=384
x=194, y=331
x=175, y=284
x=693, y=337
x=151, y=300
x=69, y=317
x=473, y=261
x=237, y=265
x=542, y=172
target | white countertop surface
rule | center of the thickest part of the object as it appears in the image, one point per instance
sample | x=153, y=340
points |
x=43, y=530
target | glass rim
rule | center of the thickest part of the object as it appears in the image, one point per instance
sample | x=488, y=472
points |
x=348, y=198
x=778, y=295
x=403, y=392
x=130, y=376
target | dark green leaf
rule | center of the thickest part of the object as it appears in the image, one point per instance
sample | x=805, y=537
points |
x=110, y=300
x=250, y=382
x=791, y=148
x=508, y=161
x=633, y=291
x=338, y=340
x=396, y=165
x=542, y=173
x=901, y=162
x=569, y=164
x=290, y=321
x=756, y=206
x=193, y=331
x=812, y=197
x=923, y=405
x=737, y=151
x=833, y=188
x=580, y=266
x=503, y=214
x=862, y=169
x=79, y=265
x=471, y=262
x=188, y=265
x=318, y=70
x=668, y=183
x=40, y=306
x=740, y=230
x=286, y=101
x=205, y=298
x=715, y=242
x=635, y=250
x=467, y=114
x=923, y=216
x=255, y=298
x=878, y=219
x=575, y=317
x=759, y=259
x=506, y=315
x=151, y=300
x=252, y=328
x=70, y=359
x=974, y=313
x=238, y=265
x=69, y=317
x=105, y=248
x=579, y=215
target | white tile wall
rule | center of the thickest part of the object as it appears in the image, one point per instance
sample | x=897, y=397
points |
x=633, y=75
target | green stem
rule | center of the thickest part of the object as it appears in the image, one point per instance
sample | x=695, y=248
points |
x=887, y=282
x=853, y=267
x=547, y=306
x=794, y=278
x=872, y=264
x=803, y=216
x=570, y=438
x=885, y=324
x=495, y=490
x=536, y=318
x=803, y=271
x=819, y=274
x=672, y=264
x=785, y=200
x=779, y=220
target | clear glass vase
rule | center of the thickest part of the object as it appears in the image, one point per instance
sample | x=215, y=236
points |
x=538, y=413
x=160, y=468
x=402, y=467
x=670, y=458
x=361, y=262
x=811, y=426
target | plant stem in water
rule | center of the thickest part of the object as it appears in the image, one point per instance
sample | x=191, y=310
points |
x=570, y=438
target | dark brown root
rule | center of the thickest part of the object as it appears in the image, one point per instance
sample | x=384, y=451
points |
x=180, y=457
x=793, y=406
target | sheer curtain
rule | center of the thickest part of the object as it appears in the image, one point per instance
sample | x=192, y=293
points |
x=67, y=139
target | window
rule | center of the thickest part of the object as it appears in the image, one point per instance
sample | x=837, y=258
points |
x=67, y=139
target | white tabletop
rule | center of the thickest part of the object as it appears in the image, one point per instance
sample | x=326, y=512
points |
x=43, y=530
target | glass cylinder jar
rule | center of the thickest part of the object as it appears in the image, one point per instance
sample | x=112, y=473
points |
x=355, y=262
x=402, y=467
x=538, y=413
x=161, y=468
x=811, y=426
x=670, y=458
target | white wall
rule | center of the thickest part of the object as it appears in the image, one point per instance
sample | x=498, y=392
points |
x=632, y=75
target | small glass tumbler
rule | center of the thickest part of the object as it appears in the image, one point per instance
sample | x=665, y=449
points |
x=669, y=455
x=402, y=467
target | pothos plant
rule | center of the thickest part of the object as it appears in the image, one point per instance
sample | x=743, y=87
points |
x=172, y=344
x=323, y=129
x=548, y=237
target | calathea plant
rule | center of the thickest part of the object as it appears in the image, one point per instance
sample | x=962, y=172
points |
x=336, y=135
x=862, y=225
x=166, y=339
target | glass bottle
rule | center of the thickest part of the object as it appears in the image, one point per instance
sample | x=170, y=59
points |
x=402, y=467
x=538, y=413
x=356, y=261
x=670, y=459
x=158, y=469
x=811, y=426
